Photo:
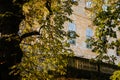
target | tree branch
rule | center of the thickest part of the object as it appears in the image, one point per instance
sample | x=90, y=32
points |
x=48, y=6
x=29, y=34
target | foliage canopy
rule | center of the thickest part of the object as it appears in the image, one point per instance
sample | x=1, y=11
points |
x=41, y=36
x=107, y=20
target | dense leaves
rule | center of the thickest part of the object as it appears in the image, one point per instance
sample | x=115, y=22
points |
x=40, y=37
x=107, y=20
x=46, y=54
x=116, y=75
x=107, y=31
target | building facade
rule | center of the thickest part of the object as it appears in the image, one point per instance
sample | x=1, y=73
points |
x=83, y=26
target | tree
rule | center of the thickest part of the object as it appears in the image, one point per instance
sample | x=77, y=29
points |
x=107, y=20
x=10, y=52
x=116, y=75
x=33, y=39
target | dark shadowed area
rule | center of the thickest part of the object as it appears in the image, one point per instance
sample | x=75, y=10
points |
x=10, y=52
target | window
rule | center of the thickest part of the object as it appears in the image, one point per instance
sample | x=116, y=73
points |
x=88, y=4
x=71, y=33
x=71, y=27
x=71, y=41
x=89, y=34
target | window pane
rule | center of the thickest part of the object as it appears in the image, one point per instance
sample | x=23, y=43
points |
x=71, y=27
x=72, y=41
x=89, y=32
x=88, y=45
x=71, y=33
